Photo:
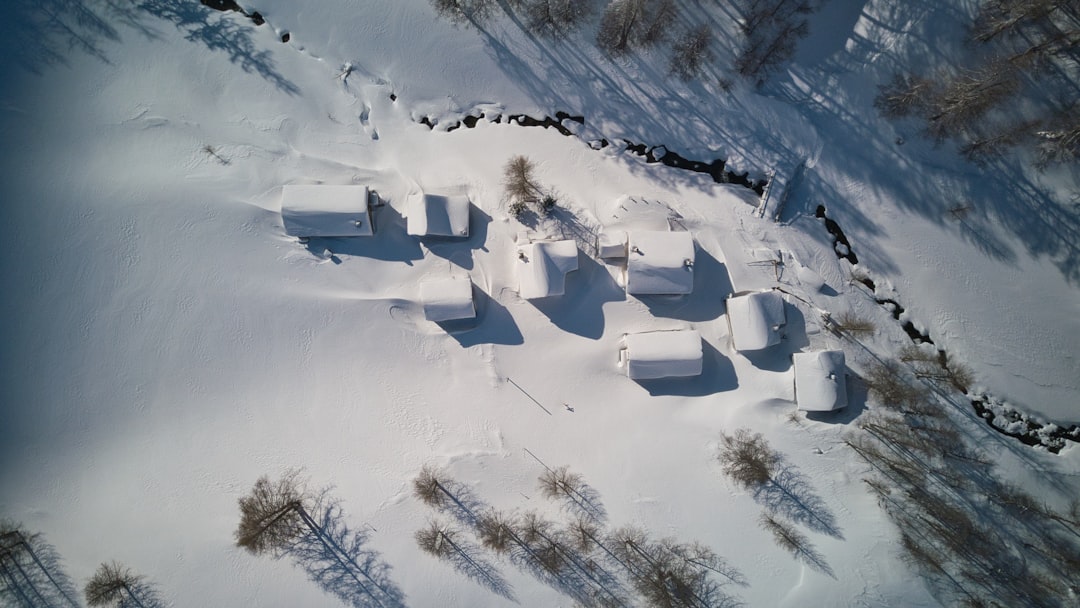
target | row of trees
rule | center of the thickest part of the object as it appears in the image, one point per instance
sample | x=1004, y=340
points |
x=1017, y=88
x=771, y=28
x=31, y=576
x=979, y=540
x=579, y=556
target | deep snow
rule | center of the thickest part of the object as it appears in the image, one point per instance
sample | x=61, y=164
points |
x=167, y=343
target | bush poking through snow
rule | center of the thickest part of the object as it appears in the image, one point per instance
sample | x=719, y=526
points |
x=850, y=323
x=747, y=458
x=115, y=585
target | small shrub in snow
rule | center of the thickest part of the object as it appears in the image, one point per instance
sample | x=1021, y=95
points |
x=849, y=322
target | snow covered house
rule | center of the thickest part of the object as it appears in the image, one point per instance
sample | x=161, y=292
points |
x=438, y=215
x=662, y=354
x=611, y=244
x=820, y=381
x=542, y=267
x=327, y=211
x=447, y=299
x=755, y=319
x=660, y=262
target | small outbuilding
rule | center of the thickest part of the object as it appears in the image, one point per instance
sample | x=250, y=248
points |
x=611, y=244
x=659, y=262
x=755, y=319
x=447, y=299
x=662, y=354
x=438, y=215
x=326, y=211
x=820, y=381
x=542, y=267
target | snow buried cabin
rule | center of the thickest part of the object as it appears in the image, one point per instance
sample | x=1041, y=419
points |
x=820, y=381
x=542, y=268
x=447, y=299
x=662, y=354
x=755, y=319
x=660, y=263
x=438, y=215
x=326, y=211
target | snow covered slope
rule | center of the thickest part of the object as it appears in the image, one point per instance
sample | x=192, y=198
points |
x=166, y=343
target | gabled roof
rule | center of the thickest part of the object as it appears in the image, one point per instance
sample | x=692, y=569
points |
x=660, y=263
x=820, y=382
x=321, y=210
x=663, y=354
x=447, y=299
x=755, y=319
x=542, y=268
x=438, y=215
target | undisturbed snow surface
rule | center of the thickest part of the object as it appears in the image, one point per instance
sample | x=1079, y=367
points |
x=167, y=344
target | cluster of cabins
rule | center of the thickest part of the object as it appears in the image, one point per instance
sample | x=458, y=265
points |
x=657, y=262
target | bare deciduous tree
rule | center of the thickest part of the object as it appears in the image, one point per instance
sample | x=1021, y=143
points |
x=747, y=458
x=554, y=17
x=691, y=52
x=464, y=11
x=270, y=517
x=772, y=28
x=904, y=95
x=628, y=24
x=117, y=586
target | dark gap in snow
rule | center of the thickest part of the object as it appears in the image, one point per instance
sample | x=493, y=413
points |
x=840, y=242
x=1001, y=417
x=653, y=154
x=715, y=169
x=231, y=5
x=286, y=37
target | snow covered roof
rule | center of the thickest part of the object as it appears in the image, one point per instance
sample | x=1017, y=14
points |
x=322, y=210
x=438, y=215
x=447, y=299
x=660, y=263
x=820, y=384
x=663, y=354
x=612, y=244
x=542, y=268
x=755, y=319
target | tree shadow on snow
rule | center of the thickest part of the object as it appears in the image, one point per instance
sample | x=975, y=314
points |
x=341, y=563
x=789, y=493
x=717, y=375
x=226, y=32
x=41, y=33
x=581, y=309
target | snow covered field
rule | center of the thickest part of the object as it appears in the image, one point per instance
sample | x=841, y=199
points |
x=166, y=343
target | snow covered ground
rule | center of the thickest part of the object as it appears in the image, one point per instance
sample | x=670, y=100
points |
x=166, y=343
